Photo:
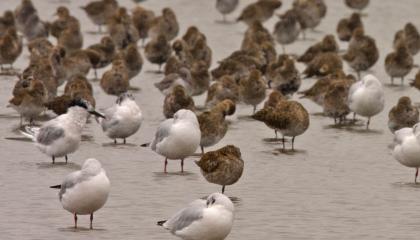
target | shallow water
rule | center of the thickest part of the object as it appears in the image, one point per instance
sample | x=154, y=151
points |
x=341, y=183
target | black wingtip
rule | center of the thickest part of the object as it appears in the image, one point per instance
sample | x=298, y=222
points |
x=56, y=186
x=160, y=223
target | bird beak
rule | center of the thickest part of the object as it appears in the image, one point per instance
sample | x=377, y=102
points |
x=96, y=114
x=56, y=186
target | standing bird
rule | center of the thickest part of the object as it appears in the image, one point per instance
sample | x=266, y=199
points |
x=358, y=5
x=399, y=63
x=407, y=148
x=178, y=137
x=223, y=166
x=260, y=11
x=166, y=25
x=287, y=30
x=252, y=89
x=142, y=20
x=289, y=118
x=158, y=51
x=403, y=115
x=209, y=219
x=362, y=52
x=366, y=97
x=123, y=119
x=101, y=54
x=10, y=48
x=100, y=11
x=85, y=191
x=213, y=125
x=410, y=36
x=29, y=100
x=346, y=26
x=115, y=81
x=62, y=135
x=310, y=13
x=226, y=7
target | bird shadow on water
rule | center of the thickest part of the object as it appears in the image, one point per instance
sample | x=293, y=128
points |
x=119, y=145
x=161, y=176
x=406, y=185
x=245, y=118
x=81, y=229
x=49, y=165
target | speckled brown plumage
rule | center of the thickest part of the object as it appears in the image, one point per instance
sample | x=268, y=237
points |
x=223, y=166
x=212, y=123
x=100, y=11
x=289, y=118
x=260, y=11
x=225, y=88
x=336, y=101
x=346, y=26
x=252, y=89
x=166, y=24
x=324, y=64
x=115, y=81
x=403, y=115
x=399, y=63
x=142, y=20
x=10, y=47
x=176, y=100
x=362, y=52
x=328, y=44
x=157, y=51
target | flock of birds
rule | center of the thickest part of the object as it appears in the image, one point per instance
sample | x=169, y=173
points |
x=242, y=77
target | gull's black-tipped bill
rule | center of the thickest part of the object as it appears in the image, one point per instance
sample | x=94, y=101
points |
x=56, y=186
x=95, y=113
x=160, y=223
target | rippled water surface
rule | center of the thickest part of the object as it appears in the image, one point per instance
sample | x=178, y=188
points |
x=341, y=183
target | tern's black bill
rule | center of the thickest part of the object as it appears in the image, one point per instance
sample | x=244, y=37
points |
x=56, y=186
x=96, y=114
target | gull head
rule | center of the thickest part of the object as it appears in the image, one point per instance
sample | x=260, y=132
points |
x=82, y=103
x=184, y=114
x=91, y=166
x=371, y=81
x=220, y=199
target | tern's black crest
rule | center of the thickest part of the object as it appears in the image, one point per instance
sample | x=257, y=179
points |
x=79, y=102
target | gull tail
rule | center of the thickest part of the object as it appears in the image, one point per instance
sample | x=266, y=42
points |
x=56, y=186
x=160, y=223
x=30, y=132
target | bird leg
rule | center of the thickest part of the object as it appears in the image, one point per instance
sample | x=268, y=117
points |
x=160, y=68
x=125, y=141
x=65, y=157
x=53, y=159
x=75, y=220
x=275, y=132
x=202, y=150
x=368, y=122
x=96, y=74
x=293, y=143
x=166, y=163
x=417, y=174
x=354, y=117
x=91, y=220
x=284, y=146
x=223, y=189
x=255, y=108
x=402, y=81
x=182, y=165
x=115, y=141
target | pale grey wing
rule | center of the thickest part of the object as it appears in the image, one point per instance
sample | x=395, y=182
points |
x=69, y=182
x=110, y=119
x=162, y=132
x=49, y=134
x=186, y=216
